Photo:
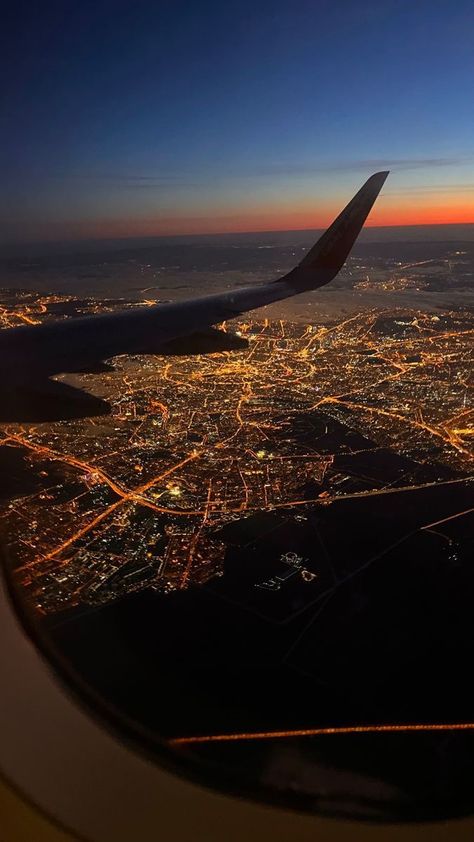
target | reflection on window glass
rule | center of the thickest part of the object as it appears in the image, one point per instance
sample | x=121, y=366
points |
x=245, y=535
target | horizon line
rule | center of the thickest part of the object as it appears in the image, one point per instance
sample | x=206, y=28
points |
x=92, y=239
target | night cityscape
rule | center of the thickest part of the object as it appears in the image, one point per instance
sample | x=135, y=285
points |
x=237, y=419
x=289, y=502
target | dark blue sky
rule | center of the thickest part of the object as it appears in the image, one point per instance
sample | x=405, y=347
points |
x=121, y=117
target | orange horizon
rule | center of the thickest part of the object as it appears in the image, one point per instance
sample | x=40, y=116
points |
x=388, y=214
x=216, y=231
x=268, y=220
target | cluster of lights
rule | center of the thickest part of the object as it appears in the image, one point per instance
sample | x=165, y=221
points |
x=239, y=406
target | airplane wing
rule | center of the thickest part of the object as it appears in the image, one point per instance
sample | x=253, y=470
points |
x=31, y=355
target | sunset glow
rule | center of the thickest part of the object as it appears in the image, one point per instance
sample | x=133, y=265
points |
x=157, y=123
x=432, y=210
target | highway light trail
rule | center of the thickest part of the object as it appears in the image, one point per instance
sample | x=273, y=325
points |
x=320, y=732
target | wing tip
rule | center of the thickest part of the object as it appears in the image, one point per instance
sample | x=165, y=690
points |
x=330, y=252
x=378, y=177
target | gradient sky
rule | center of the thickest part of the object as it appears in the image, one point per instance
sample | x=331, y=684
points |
x=142, y=118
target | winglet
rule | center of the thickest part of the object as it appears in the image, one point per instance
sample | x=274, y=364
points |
x=328, y=255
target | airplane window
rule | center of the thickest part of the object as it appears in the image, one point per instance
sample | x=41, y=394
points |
x=236, y=467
